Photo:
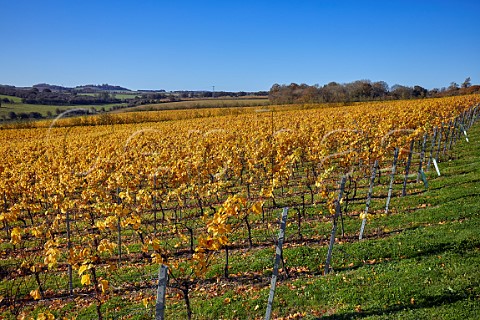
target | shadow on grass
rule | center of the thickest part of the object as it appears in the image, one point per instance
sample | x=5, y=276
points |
x=425, y=302
x=464, y=245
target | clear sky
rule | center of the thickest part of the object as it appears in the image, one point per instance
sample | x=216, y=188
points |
x=238, y=45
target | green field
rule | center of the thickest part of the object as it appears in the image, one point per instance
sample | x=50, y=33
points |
x=14, y=99
x=19, y=107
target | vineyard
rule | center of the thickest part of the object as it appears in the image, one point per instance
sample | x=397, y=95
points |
x=92, y=206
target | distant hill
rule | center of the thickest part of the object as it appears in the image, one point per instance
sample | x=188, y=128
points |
x=51, y=87
x=91, y=88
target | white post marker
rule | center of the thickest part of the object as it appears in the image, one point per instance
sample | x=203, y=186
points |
x=465, y=133
x=436, y=166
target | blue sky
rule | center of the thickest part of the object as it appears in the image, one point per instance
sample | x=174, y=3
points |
x=238, y=45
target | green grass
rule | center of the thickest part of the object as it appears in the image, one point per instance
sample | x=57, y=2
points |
x=11, y=98
x=44, y=109
x=19, y=107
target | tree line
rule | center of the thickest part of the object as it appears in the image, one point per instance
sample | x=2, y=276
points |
x=360, y=90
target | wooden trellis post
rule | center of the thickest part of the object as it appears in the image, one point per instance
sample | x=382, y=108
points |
x=334, y=227
x=161, y=290
x=392, y=179
x=278, y=258
x=369, y=197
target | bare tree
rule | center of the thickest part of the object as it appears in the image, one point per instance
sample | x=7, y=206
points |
x=466, y=83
